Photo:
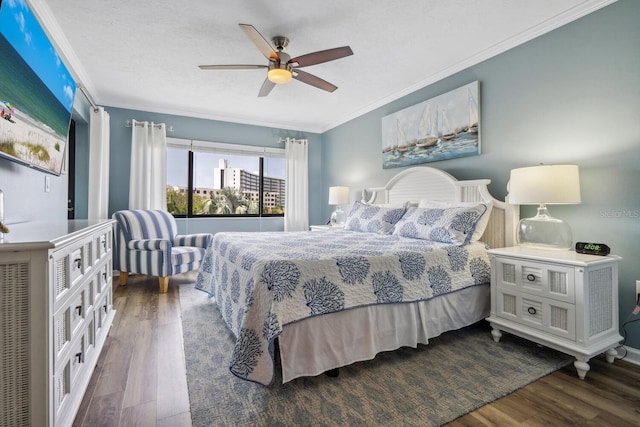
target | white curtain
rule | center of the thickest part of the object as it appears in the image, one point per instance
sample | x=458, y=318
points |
x=99, y=140
x=296, y=216
x=148, y=177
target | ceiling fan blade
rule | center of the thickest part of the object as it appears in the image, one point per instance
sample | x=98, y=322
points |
x=231, y=67
x=312, y=80
x=266, y=88
x=321, y=56
x=257, y=39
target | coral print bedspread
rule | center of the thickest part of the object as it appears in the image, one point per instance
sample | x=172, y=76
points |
x=263, y=281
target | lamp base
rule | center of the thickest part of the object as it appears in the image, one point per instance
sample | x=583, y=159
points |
x=544, y=231
x=338, y=217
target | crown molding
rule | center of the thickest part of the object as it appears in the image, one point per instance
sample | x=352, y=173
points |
x=557, y=21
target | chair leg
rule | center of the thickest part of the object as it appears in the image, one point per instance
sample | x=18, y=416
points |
x=164, y=284
x=123, y=278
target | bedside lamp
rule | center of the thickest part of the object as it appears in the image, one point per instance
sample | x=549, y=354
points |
x=338, y=196
x=544, y=185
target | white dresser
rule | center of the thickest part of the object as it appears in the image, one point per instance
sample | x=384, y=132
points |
x=55, y=312
x=559, y=299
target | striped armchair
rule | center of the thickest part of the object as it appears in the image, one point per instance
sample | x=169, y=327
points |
x=147, y=242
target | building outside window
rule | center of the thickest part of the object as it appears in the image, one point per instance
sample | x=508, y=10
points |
x=214, y=179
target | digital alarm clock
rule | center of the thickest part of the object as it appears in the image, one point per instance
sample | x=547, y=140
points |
x=592, y=248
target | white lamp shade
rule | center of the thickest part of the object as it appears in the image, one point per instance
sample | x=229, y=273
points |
x=547, y=184
x=338, y=195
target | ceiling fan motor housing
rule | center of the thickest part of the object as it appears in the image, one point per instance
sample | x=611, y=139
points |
x=280, y=42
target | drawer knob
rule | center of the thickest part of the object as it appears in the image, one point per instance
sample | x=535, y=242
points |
x=531, y=277
x=79, y=310
x=532, y=310
x=77, y=262
x=79, y=357
x=106, y=307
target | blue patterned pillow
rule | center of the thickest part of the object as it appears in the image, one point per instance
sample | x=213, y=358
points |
x=373, y=218
x=447, y=225
x=481, y=225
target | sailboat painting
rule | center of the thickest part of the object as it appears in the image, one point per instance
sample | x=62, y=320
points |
x=440, y=128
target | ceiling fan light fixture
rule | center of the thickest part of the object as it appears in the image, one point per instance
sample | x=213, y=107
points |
x=279, y=75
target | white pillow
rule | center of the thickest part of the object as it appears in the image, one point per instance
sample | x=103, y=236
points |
x=481, y=225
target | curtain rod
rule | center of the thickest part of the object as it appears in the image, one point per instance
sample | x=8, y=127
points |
x=86, y=95
x=281, y=140
x=129, y=124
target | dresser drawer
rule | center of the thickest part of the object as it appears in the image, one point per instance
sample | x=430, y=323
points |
x=542, y=279
x=102, y=312
x=68, y=320
x=91, y=293
x=77, y=357
x=61, y=331
x=103, y=278
x=88, y=254
x=77, y=309
x=68, y=372
x=69, y=266
x=78, y=260
x=102, y=244
x=545, y=314
x=61, y=389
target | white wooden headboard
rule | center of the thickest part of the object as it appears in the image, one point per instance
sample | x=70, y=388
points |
x=425, y=183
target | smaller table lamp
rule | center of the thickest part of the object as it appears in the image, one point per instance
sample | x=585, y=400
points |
x=338, y=196
x=544, y=185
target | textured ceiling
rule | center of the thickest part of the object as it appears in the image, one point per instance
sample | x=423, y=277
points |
x=144, y=54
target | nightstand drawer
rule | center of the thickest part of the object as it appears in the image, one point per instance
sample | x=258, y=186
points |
x=541, y=279
x=544, y=314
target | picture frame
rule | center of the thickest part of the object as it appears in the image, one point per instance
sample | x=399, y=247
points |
x=440, y=128
x=37, y=92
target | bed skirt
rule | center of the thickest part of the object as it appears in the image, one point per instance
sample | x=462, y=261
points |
x=318, y=344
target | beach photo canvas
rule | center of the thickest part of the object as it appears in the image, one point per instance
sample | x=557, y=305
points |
x=36, y=92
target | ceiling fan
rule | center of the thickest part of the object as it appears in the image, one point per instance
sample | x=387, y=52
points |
x=281, y=67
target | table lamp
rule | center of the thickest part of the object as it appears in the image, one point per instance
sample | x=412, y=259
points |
x=544, y=185
x=338, y=196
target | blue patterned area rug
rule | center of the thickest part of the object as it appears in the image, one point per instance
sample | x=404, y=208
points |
x=428, y=386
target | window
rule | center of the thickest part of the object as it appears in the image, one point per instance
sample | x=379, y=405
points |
x=214, y=179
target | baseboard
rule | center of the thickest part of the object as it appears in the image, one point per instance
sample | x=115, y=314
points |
x=632, y=354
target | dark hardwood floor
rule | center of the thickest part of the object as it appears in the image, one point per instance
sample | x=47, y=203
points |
x=140, y=377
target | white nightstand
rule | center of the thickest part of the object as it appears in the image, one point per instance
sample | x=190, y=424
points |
x=560, y=299
x=326, y=227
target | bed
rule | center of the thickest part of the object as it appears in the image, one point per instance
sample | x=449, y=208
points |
x=410, y=264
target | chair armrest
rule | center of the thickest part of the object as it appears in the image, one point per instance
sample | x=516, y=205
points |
x=199, y=240
x=149, y=245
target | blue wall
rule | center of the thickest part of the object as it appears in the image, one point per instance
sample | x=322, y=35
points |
x=570, y=96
